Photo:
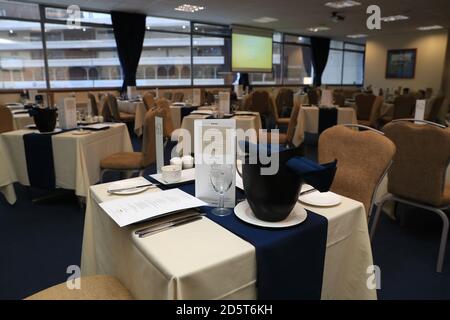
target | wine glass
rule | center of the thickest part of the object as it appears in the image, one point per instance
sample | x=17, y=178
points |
x=221, y=176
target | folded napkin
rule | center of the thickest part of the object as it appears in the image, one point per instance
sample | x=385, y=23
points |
x=248, y=147
x=317, y=175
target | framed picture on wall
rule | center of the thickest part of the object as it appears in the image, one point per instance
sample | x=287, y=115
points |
x=401, y=63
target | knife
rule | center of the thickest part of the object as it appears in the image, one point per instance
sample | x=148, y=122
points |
x=170, y=225
x=131, y=188
x=307, y=191
x=156, y=225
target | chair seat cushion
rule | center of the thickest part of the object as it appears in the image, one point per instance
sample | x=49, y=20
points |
x=283, y=121
x=126, y=117
x=123, y=161
x=92, y=288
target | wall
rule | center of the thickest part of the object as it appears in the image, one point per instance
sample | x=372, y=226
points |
x=431, y=52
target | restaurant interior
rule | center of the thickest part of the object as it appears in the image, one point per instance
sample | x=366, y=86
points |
x=224, y=150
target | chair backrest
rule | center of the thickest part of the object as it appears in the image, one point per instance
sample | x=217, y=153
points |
x=105, y=109
x=6, y=119
x=94, y=107
x=363, y=158
x=404, y=106
x=375, y=115
x=178, y=97
x=423, y=154
x=339, y=99
x=292, y=123
x=261, y=102
x=436, y=105
x=149, y=137
x=168, y=95
x=113, y=107
x=364, y=105
x=149, y=100
x=164, y=105
x=313, y=97
x=284, y=98
x=208, y=97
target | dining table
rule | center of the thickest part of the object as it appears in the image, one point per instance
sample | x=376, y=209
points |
x=205, y=260
x=66, y=159
x=312, y=121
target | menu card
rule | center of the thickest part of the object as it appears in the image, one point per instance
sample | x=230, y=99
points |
x=131, y=93
x=420, y=111
x=196, y=97
x=214, y=144
x=327, y=98
x=67, y=114
x=133, y=209
x=224, y=102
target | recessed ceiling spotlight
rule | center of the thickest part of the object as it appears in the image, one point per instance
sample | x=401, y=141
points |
x=426, y=28
x=183, y=27
x=342, y=4
x=394, y=18
x=317, y=29
x=265, y=20
x=189, y=8
x=356, y=36
x=11, y=31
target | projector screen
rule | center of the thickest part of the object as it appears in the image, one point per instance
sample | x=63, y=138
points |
x=251, y=51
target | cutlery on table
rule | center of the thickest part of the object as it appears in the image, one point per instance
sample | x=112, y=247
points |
x=177, y=218
x=307, y=191
x=170, y=224
x=134, y=187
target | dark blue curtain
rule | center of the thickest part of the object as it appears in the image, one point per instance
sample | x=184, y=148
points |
x=129, y=31
x=320, y=48
x=244, y=80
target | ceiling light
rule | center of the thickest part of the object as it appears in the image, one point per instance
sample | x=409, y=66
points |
x=342, y=4
x=356, y=36
x=394, y=18
x=426, y=28
x=265, y=20
x=11, y=31
x=148, y=27
x=317, y=29
x=189, y=8
x=184, y=27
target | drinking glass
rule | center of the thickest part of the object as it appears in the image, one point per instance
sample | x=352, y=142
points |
x=221, y=176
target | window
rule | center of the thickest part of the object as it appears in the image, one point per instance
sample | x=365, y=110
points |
x=170, y=25
x=297, y=64
x=165, y=60
x=82, y=58
x=21, y=55
x=345, y=64
x=85, y=16
x=19, y=10
x=211, y=50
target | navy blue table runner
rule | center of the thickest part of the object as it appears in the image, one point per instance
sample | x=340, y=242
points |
x=289, y=261
x=39, y=157
x=327, y=118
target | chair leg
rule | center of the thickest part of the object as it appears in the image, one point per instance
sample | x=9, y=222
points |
x=378, y=213
x=444, y=235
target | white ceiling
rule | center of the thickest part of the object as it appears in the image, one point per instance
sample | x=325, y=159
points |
x=295, y=16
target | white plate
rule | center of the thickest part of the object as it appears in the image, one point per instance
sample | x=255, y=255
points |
x=128, y=184
x=318, y=199
x=244, y=212
x=81, y=132
x=54, y=131
x=187, y=175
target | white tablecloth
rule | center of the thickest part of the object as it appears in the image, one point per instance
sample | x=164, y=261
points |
x=22, y=120
x=308, y=121
x=202, y=260
x=76, y=158
x=243, y=122
x=138, y=109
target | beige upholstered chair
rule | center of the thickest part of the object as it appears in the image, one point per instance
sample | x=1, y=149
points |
x=6, y=120
x=313, y=97
x=339, y=99
x=178, y=97
x=164, y=105
x=403, y=107
x=94, y=106
x=417, y=176
x=284, y=138
x=135, y=161
x=283, y=98
x=114, y=109
x=364, y=106
x=363, y=159
x=168, y=95
x=92, y=288
x=104, y=109
x=436, y=106
x=149, y=100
